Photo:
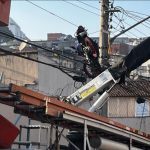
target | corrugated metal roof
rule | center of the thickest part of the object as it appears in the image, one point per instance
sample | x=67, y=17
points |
x=131, y=89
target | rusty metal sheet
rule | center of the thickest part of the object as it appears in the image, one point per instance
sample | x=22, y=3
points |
x=54, y=107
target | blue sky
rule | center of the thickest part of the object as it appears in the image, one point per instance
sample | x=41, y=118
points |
x=36, y=23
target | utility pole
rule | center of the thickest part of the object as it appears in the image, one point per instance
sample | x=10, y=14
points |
x=104, y=34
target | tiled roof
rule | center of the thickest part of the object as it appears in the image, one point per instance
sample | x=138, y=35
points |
x=131, y=89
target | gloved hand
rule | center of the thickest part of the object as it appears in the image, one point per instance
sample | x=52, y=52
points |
x=86, y=49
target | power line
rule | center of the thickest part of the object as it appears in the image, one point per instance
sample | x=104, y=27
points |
x=120, y=20
x=122, y=28
x=84, y=9
x=131, y=16
x=62, y=17
x=35, y=60
x=146, y=23
x=134, y=29
x=94, y=32
x=38, y=46
x=136, y=12
x=88, y=5
x=52, y=13
x=120, y=31
x=18, y=55
x=129, y=12
x=81, y=7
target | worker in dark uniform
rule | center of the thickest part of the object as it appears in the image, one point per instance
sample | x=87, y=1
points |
x=87, y=43
x=90, y=50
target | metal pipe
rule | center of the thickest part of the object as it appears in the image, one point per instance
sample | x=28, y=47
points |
x=85, y=134
x=28, y=132
x=99, y=102
x=106, y=144
x=67, y=139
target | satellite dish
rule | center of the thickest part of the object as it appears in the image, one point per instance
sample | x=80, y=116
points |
x=22, y=45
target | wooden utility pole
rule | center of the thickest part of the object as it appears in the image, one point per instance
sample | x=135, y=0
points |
x=103, y=37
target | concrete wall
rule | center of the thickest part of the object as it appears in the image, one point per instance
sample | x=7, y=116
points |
x=142, y=124
x=18, y=70
x=52, y=81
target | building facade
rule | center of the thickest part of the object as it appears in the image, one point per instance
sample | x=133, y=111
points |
x=129, y=104
x=18, y=70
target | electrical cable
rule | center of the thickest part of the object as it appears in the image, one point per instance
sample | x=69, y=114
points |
x=63, y=18
x=136, y=30
x=59, y=16
x=38, y=46
x=124, y=33
x=46, y=55
x=88, y=5
x=31, y=59
x=85, y=10
x=134, y=18
x=136, y=12
x=132, y=14
x=60, y=68
x=120, y=22
x=94, y=32
x=81, y=7
x=62, y=89
x=133, y=28
x=52, y=13
x=18, y=55
x=144, y=23
x=121, y=19
x=71, y=4
x=125, y=13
